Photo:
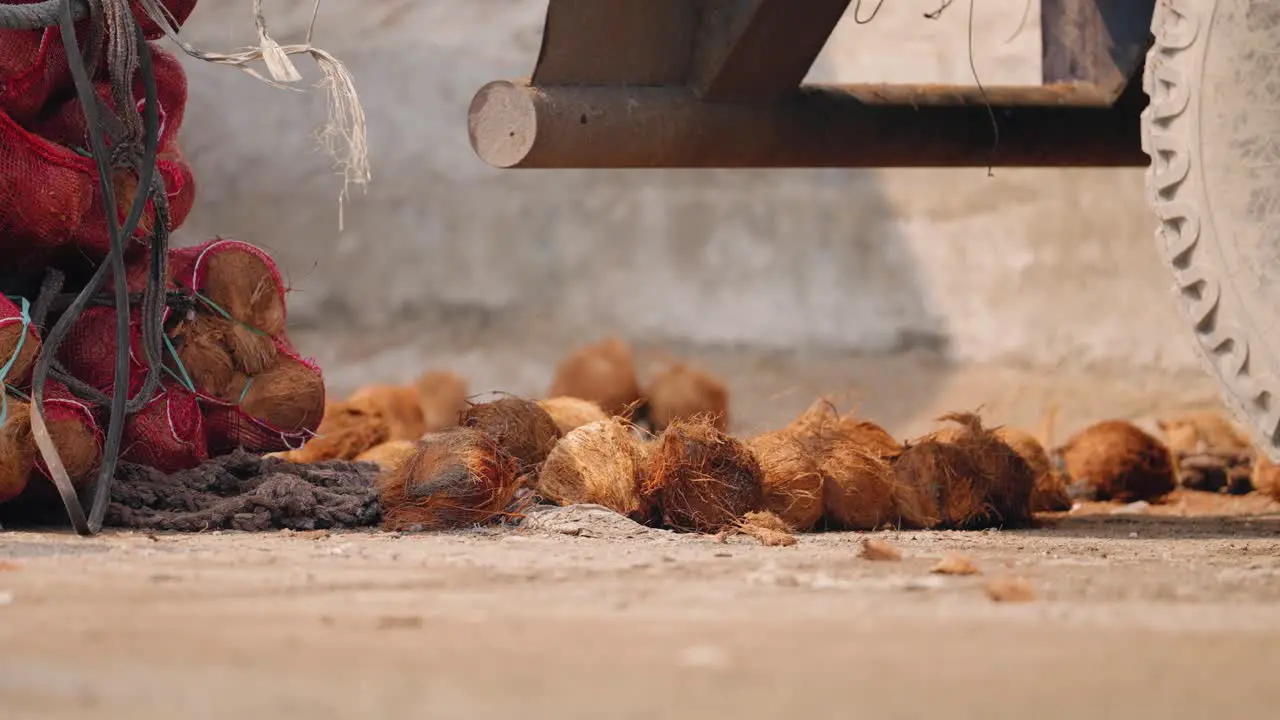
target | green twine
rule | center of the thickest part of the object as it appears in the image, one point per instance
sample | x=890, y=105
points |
x=185, y=377
x=245, y=393
x=13, y=359
x=227, y=316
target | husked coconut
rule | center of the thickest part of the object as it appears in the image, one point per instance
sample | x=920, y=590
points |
x=17, y=450
x=571, y=413
x=682, y=392
x=1116, y=460
x=1050, y=491
x=400, y=405
x=793, y=480
x=599, y=463
x=703, y=480
x=442, y=397
x=389, y=455
x=521, y=428
x=347, y=430
x=288, y=397
x=603, y=373
x=456, y=478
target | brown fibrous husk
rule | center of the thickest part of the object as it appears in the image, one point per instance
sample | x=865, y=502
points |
x=570, y=413
x=879, y=551
x=10, y=334
x=1266, y=477
x=202, y=351
x=823, y=423
x=389, y=455
x=348, y=430
x=858, y=487
x=457, y=478
x=17, y=450
x=288, y=397
x=521, y=428
x=399, y=404
x=442, y=397
x=251, y=352
x=603, y=373
x=1203, y=431
x=243, y=285
x=1116, y=460
x=703, y=480
x=792, y=478
x=78, y=448
x=1050, y=491
x=973, y=479
x=598, y=463
x=682, y=392
x=767, y=527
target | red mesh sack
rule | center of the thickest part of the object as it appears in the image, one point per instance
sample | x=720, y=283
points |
x=19, y=344
x=279, y=410
x=234, y=279
x=33, y=65
x=49, y=197
x=89, y=351
x=168, y=433
x=75, y=432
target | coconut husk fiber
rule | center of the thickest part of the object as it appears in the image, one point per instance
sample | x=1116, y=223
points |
x=972, y=477
x=1209, y=451
x=520, y=427
x=603, y=373
x=1116, y=460
x=201, y=342
x=243, y=285
x=389, y=455
x=399, y=404
x=858, y=491
x=682, y=392
x=1050, y=491
x=823, y=422
x=17, y=450
x=599, y=463
x=347, y=430
x=78, y=448
x=288, y=397
x=442, y=397
x=571, y=413
x=1266, y=477
x=10, y=334
x=793, y=479
x=702, y=480
x=457, y=478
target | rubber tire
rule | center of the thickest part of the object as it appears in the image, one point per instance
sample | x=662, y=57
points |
x=1212, y=130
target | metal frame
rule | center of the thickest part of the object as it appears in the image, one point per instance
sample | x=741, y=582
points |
x=717, y=83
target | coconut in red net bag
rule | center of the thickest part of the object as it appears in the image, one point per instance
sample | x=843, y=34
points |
x=66, y=212
x=19, y=343
x=168, y=433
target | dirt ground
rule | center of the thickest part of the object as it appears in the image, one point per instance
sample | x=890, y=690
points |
x=1173, y=612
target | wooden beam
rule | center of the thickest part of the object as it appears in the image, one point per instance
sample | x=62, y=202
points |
x=759, y=49
x=514, y=125
x=1096, y=44
x=616, y=42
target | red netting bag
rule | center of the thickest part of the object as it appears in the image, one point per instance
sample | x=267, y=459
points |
x=19, y=344
x=235, y=280
x=89, y=351
x=75, y=432
x=49, y=196
x=168, y=433
x=279, y=409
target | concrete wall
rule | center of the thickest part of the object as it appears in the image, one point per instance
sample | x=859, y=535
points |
x=1039, y=267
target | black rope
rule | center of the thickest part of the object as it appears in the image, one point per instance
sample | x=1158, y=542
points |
x=150, y=186
x=38, y=16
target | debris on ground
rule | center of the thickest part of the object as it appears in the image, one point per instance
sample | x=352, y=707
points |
x=1010, y=589
x=765, y=526
x=956, y=565
x=879, y=551
x=592, y=521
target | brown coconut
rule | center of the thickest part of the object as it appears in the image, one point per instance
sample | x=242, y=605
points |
x=858, y=488
x=598, y=463
x=17, y=450
x=201, y=342
x=288, y=397
x=1116, y=460
x=1203, y=431
x=243, y=285
x=348, y=430
x=442, y=397
x=603, y=373
x=389, y=455
x=1266, y=477
x=793, y=480
x=1050, y=491
x=702, y=479
x=10, y=334
x=520, y=427
x=572, y=413
x=78, y=448
x=681, y=392
x=457, y=478
x=822, y=422
x=399, y=405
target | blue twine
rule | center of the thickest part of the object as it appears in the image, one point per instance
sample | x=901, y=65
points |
x=13, y=359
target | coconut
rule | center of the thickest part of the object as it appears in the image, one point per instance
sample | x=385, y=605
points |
x=288, y=397
x=603, y=373
x=1203, y=431
x=389, y=455
x=520, y=427
x=822, y=423
x=399, y=404
x=201, y=342
x=23, y=358
x=599, y=463
x=792, y=479
x=247, y=288
x=456, y=478
x=442, y=397
x=1006, y=481
x=1266, y=477
x=1050, y=492
x=347, y=430
x=17, y=450
x=858, y=489
x=77, y=446
x=702, y=479
x=572, y=413
x=1116, y=460
x=682, y=392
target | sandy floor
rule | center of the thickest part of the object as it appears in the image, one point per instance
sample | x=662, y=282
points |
x=1174, y=613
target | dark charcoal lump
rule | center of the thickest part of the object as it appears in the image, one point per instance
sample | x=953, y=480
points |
x=242, y=491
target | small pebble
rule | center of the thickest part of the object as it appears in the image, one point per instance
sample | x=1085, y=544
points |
x=879, y=551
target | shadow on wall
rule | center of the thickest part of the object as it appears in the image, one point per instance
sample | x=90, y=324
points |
x=776, y=260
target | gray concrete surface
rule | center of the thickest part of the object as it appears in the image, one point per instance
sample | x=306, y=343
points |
x=1038, y=267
